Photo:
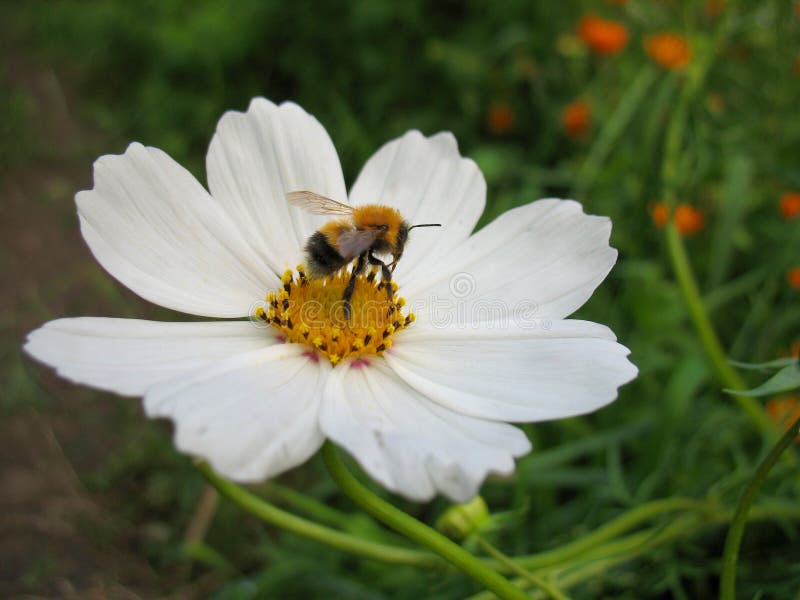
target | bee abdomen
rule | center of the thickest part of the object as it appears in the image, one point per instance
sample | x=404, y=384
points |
x=322, y=258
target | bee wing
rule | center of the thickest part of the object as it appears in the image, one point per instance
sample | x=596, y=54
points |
x=354, y=242
x=318, y=205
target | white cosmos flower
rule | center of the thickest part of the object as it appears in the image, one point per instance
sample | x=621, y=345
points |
x=427, y=415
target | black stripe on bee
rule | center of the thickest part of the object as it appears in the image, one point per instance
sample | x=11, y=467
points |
x=323, y=259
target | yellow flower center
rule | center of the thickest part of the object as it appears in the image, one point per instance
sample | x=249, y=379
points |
x=313, y=312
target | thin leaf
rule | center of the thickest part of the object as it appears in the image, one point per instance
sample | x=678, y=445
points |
x=784, y=380
x=778, y=363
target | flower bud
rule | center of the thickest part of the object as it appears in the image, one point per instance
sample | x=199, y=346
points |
x=461, y=520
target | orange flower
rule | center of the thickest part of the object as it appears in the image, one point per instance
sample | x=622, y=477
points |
x=783, y=411
x=602, y=36
x=575, y=118
x=688, y=219
x=714, y=8
x=668, y=50
x=501, y=118
x=660, y=214
x=790, y=205
x=793, y=277
x=797, y=9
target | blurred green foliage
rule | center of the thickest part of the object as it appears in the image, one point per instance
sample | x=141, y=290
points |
x=162, y=72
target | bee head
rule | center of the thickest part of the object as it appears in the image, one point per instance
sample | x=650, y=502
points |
x=383, y=219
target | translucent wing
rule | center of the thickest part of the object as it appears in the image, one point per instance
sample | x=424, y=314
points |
x=354, y=242
x=318, y=205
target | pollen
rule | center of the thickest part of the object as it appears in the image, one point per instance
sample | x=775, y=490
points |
x=312, y=312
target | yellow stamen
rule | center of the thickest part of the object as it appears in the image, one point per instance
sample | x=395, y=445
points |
x=310, y=311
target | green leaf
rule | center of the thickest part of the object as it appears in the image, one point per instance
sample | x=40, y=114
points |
x=784, y=380
x=778, y=363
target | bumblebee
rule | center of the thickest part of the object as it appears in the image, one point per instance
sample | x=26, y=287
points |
x=367, y=230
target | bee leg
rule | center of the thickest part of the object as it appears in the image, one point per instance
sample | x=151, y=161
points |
x=351, y=286
x=386, y=274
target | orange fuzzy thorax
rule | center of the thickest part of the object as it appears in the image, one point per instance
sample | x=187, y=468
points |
x=333, y=229
x=375, y=215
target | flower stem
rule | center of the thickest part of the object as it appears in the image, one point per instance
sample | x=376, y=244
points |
x=708, y=337
x=610, y=530
x=305, y=505
x=413, y=529
x=319, y=533
x=614, y=126
x=736, y=530
x=516, y=568
x=600, y=559
x=677, y=251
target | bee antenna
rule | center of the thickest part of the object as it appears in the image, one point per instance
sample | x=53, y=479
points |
x=425, y=225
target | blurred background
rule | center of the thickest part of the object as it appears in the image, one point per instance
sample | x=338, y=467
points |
x=569, y=99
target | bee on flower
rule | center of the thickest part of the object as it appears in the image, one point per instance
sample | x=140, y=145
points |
x=424, y=404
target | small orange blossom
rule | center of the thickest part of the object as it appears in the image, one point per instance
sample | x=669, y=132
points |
x=601, y=35
x=660, y=214
x=783, y=411
x=668, y=50
x=793, y=277
x=790, y=205
x=501, y=118
x=575, y=118
x=688, y=220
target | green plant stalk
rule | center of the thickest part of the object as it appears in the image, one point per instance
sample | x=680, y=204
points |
x=604, y=557
x=614, y=127
x=335, y=539
x=676, y=249
x=636, y=544
x=736, y=530
x=306, y=505
x=514, y=567
x=610, y=530
x=708, y=337
x=410, y=527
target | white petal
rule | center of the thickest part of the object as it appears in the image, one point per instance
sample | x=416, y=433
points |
x=428, y=181
x=153, y=227
x=411, y=445
x=255, y=158
x=128, y=356
x=503, y=371
x=545, y=258
x=252, y=416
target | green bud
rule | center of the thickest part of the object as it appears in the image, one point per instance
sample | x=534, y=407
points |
x=461, y=520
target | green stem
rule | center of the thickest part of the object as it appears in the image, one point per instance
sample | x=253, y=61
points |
x=514, y=567
x=677, y=251
x=306, y=505
x=319, y=533
x=736, y=530
x=599, y=559
x=614, y=126
x=613, y=528
x=708, y=337
x=414, y=530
